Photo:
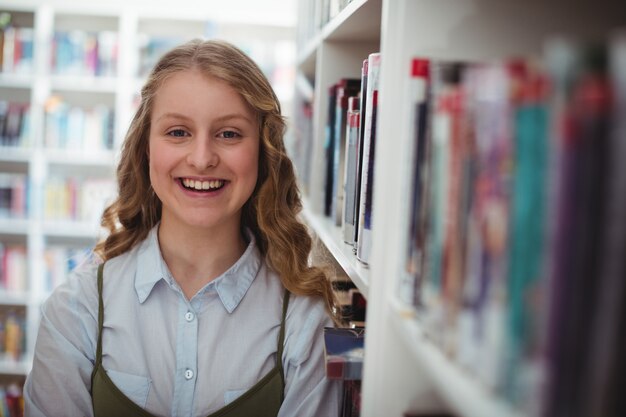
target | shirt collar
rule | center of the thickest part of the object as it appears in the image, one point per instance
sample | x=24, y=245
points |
x=231, y=286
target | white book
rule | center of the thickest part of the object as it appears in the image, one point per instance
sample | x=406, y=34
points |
x=364, y=243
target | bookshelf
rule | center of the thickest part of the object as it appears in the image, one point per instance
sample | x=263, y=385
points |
x=404, y=370
x=65, y=80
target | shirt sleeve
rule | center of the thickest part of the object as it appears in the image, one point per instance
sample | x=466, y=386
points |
x=308, y=393
x=59, y=383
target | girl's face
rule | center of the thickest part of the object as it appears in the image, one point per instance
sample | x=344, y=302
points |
x=203, y=151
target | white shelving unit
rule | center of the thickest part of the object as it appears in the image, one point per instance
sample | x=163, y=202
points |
x=133, y=21
x=404, y=371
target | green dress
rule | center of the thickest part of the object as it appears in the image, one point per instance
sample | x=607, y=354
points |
x=262, y=400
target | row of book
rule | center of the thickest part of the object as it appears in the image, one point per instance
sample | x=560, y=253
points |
x=60, y=260
x=13, y=267
x=516, y=233
x=16, y=50
x=349, y=149
x=14, y=124
x=12, y=400
x=13, y=195
x=73, y=127
x=85, y=53
x=65, y=198
x=299, y=142
x=77, y=199
x=12, y=333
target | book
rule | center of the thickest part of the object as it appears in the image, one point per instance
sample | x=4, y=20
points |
x=364, y=241
x=329, y=150
x=443, y=188
x=579, y=76
x=345, y=89
x=609, y=338
x=417, y=105
x=359, y=149
x=343, y=353
x=351, y=165
x=526, y=278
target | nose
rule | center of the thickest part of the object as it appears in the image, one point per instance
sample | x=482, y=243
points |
x=202, y=154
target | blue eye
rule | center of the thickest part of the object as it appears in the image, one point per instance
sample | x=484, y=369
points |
x=178, y=133
x=229, y=134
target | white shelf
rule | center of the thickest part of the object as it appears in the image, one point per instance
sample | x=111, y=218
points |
x=14, y=227
x=358, y=21
x=71, y=230
x=15, y=159
x=96, y=159
x=11, y=367
x=16, y=80
x=18, y=298
x=331, y=236
x=465, y=394
x=86, y=84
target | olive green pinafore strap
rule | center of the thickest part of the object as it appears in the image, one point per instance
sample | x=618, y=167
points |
x=262, y=400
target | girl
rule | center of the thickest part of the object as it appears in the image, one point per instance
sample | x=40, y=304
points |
x=205, y=303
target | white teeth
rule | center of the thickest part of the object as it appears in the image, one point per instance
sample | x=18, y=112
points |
x=202, y=185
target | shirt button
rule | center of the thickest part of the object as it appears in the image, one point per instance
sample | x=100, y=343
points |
x=188, y=374
x=189, y=316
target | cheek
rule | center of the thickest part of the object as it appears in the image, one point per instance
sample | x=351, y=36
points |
x=249, y=168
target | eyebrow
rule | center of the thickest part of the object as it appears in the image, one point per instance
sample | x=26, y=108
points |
x=224, y=118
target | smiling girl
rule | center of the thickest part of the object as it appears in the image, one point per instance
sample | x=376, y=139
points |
x=205, y=303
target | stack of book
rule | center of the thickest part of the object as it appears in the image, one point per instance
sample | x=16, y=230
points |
x=13, y=267
x=77, y=128
x=16, y=48
x=84, y=53
x=77, y=199
x=14, y=124
x=13, y=195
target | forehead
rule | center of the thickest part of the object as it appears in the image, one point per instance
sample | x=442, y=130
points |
x=191, y=91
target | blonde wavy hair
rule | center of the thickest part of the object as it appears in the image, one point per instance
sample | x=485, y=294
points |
x=272, y=210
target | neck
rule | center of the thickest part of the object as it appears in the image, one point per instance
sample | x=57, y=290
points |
x=196, y=257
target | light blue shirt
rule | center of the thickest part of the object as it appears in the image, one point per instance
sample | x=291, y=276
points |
x=173, y=356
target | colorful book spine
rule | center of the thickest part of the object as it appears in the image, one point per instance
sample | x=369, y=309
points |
x=83, y=53
x=17, y=50
x=606, y=375
x=13, y=195
x=417, y=107
x=77, y=199
x=329, y=150
x=527, y=244
x=346, y=88
x=13, y=267
x=72, y=127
